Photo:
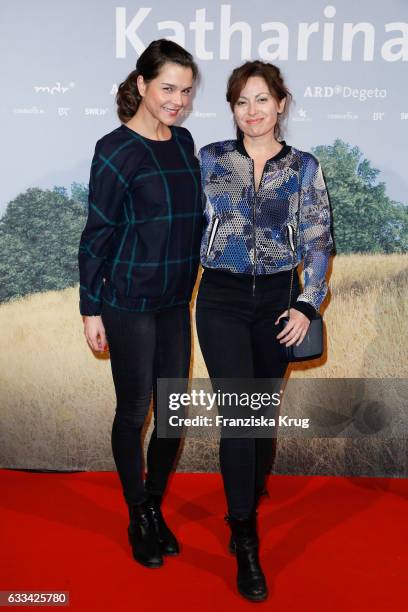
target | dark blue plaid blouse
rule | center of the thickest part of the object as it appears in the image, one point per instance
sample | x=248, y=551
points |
x=140, y=246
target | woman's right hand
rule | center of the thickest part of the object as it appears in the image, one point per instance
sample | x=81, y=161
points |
x=94, y=332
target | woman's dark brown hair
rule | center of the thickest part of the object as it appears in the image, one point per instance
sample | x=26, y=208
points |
x=276, y=85
x=149, y=65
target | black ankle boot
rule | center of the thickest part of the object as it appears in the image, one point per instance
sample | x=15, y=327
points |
x=250, y=578
x=258, y=494
x=143, y=537
x=167, y=539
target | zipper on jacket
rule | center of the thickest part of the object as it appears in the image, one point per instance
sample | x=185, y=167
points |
x=254, y=217
x=212, y=234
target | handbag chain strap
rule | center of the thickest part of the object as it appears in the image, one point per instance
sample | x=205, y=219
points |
x=293, y=242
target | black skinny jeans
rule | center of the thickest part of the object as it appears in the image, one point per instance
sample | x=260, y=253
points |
x=144, y=346
x=237, y=337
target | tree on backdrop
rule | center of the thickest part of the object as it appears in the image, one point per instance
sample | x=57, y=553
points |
x=40, y=229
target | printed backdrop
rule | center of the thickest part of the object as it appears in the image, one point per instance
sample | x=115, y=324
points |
x=345, y=64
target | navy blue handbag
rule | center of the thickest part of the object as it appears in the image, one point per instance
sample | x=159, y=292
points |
x=311, y=346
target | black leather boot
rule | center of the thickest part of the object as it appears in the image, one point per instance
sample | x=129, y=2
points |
x=250, y=578
x=258, y=494
x=167, y=539
x=143, y=537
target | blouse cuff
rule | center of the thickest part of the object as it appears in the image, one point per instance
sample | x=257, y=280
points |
x=305, y=308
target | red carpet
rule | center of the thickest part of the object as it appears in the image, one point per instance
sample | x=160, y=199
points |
x=330, y=544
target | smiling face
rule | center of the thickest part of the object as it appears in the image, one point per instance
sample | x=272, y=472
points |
x=168, y=94
x=256, y=110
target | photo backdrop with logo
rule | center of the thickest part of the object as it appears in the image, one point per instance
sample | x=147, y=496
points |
x=345, y=64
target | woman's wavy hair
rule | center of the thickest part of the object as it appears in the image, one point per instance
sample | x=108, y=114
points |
x=276, y=85
x=149, y=65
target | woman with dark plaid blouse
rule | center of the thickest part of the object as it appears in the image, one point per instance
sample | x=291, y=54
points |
x=138, y=261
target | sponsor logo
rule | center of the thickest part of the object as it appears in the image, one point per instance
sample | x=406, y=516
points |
x=343, y=91
x=202, y=115
x=301, y=115
x=197, y=113
x=342, y=116
x=95, y=112
x=33, y=110
x=58, y=88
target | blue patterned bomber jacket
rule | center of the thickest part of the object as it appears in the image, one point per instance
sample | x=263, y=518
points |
x=246, y=231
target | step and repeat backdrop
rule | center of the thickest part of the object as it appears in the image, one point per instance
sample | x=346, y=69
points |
x=345, y=64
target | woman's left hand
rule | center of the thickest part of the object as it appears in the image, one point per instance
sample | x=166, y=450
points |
x=295, y=330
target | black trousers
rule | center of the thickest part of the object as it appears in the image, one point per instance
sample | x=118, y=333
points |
x=144, y=346
x=237, y=337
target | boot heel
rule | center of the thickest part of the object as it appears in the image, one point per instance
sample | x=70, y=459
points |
x=251, y=581
x=142, y=536
x=232, y=547
x=167, y=540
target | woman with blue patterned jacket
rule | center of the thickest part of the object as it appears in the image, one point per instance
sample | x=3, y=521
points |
x=253, y=187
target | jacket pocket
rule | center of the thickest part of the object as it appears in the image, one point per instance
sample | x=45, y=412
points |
x=213, y=233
